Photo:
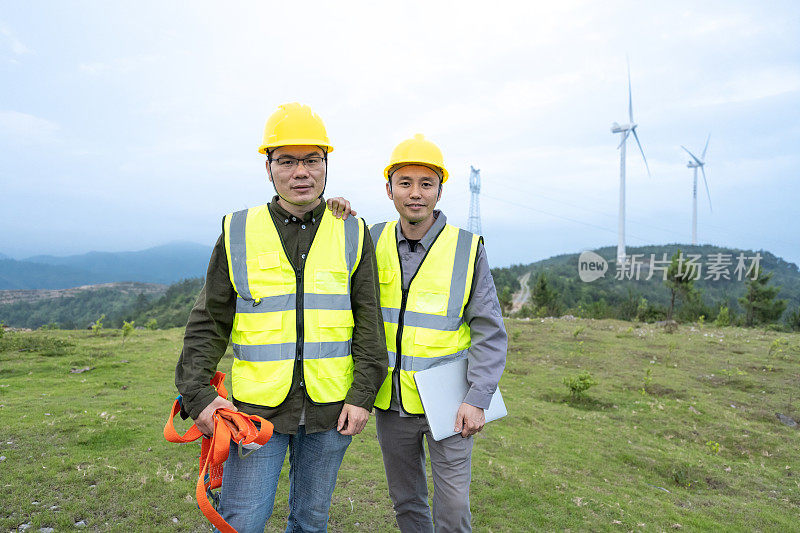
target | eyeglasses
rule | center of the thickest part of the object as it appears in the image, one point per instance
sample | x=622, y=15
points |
x=288, y=163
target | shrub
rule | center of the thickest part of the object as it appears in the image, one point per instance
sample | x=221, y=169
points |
x=713, y=446
x=778, y=347
x=598, y=309
x=682, y=476
x=98, y=325
x=526, y=311
x=628, y=333
x=647, y=312
x=579, y=384
x=127, y=329
x=151, y=324
x=724, y=317
x=578, y=350
x=648, y=378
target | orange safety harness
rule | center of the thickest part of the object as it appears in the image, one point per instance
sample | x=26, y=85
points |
x=228, y=425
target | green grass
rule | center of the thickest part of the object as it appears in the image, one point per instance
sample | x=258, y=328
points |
x=695, y=442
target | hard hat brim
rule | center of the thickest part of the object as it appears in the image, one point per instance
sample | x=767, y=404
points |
x=295, y=142
x=397, y=166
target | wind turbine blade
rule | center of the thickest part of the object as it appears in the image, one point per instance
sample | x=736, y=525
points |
x=624, y=138
x=700, y=163
x=706, y=183
x=630, y=97
x=640, y=149
x=706, y=148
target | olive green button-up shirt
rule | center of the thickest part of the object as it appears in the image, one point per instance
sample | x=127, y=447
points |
x=211, y=321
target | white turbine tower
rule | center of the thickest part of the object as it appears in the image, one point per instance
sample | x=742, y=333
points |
x=625, y=130
x=695, y=163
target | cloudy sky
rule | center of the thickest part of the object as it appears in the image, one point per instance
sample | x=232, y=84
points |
x=129, y=125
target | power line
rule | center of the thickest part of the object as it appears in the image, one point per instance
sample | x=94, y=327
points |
x=523, y=206
x=645, y=224
x=603, y=213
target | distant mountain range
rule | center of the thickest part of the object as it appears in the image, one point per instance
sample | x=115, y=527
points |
x=603, y=297
x=161, y=264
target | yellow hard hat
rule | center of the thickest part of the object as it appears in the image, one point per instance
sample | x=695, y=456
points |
x=417, y=150
x=294, y=124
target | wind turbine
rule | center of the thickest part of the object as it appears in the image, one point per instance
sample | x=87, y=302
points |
x=625, y=130
x=695, y=163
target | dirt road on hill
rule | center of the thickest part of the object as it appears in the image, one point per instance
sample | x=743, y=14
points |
x=522, y=295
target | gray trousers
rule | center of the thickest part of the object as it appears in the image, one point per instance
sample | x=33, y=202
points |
x=401, y=440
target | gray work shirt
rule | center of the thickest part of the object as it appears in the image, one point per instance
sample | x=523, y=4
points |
x=488, y=340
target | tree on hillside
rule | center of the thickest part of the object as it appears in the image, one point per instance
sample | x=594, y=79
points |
x=173, y=308
x=141, y=304
x=98, y=325
x=793, y=320
x=692, y=306
x=759, y=301
x=545, y=299
x=504, y=296
x=127, y=329
x=506, y=277
x=679, y=282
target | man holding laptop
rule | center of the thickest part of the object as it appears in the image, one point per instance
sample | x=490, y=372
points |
x=439, y=305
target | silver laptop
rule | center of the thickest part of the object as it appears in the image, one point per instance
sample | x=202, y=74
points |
x=442, y=390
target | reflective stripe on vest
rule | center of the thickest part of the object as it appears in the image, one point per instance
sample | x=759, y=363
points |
x=433, y=328
x=264, y=334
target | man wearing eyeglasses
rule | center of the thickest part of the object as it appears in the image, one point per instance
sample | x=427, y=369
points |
x=295, y=289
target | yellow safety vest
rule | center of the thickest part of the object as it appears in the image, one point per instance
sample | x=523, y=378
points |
x=273, y=298
x=424, y=324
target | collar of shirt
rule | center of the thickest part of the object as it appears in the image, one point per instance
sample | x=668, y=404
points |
x=439, y=221
x=286, y=217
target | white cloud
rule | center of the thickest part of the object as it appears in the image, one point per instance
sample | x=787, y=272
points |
x=121, y=65
x=13, y=43
x=753, y=84
x=526, y=91
x=22, y=128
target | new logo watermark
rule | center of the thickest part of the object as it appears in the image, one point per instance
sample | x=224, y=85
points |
x=713, y=267
x=591, y=266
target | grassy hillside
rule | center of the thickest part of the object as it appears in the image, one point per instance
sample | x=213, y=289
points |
x=609, y=297
x=173, y=308
x=76, y=309
x=34, y=295
x=680, y=432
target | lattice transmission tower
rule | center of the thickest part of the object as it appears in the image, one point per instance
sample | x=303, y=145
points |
x=475, y=202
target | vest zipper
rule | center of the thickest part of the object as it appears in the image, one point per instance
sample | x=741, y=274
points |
x=300, y=312
x=300, y=326
x=298, y=305
x=399, y=347
x=401, y=319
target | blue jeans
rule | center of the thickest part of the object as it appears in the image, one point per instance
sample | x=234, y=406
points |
x=249, y=484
